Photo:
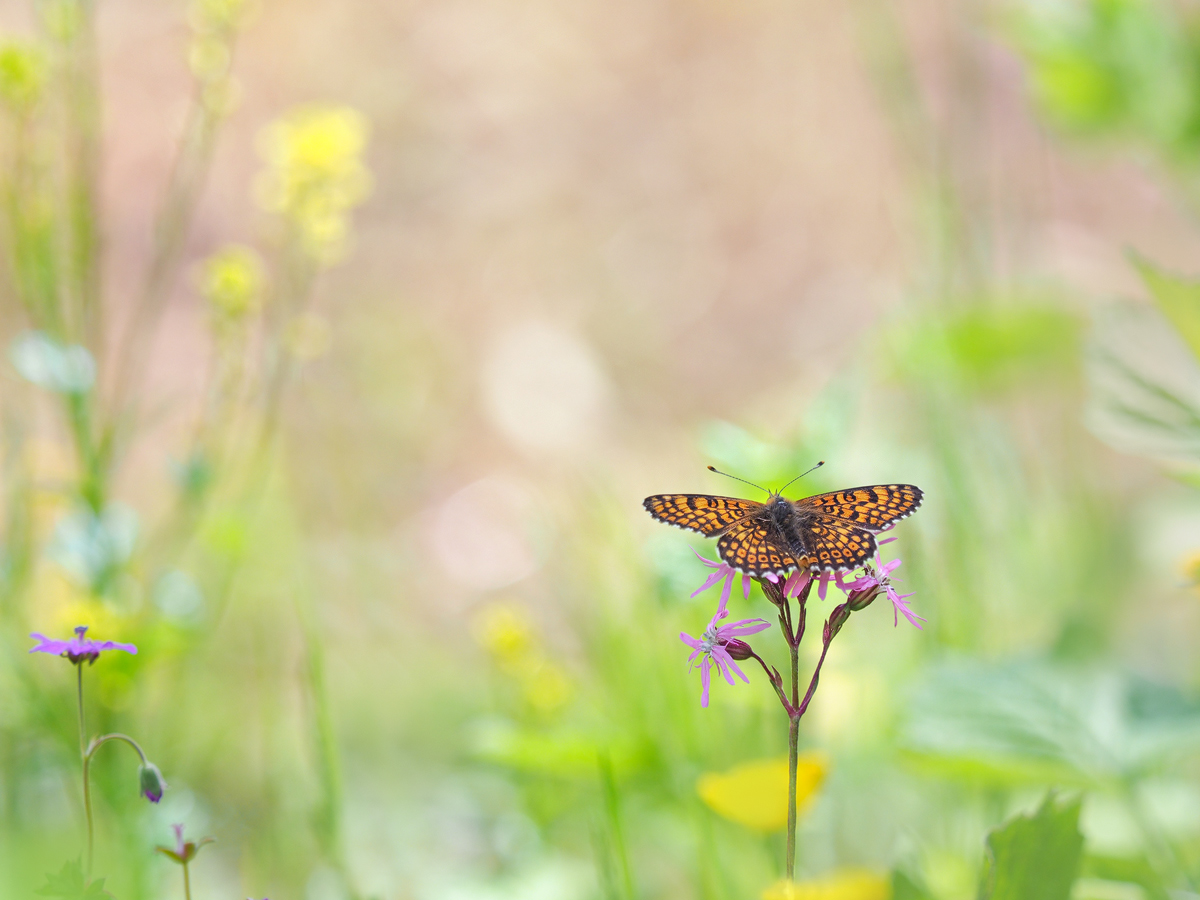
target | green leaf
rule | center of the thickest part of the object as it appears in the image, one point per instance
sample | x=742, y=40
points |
x=1034, y=857
x=904, y=887
x=70, y=884
x=1039, y=724
x=1178, y=298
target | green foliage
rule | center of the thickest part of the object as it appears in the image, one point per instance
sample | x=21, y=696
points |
x=1034, y=857
x=1117, y=67
x=1036, y=724
x=70, y=884
x=987, y=348
x=1177, y=298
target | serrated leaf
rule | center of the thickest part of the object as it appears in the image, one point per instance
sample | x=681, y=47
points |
x=1178, y=298
x=1034, y=857
x=1145, y=385
x=70, y=884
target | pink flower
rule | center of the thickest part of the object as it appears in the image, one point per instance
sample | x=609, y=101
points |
x=78, y=649
x=722, y=571
x=878, y=578
x=715, y=645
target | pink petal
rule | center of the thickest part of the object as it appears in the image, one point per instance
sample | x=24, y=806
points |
x=708, y=582
x=690, y=641
x=742, y=628
x=746, y=586
x=708, y=562
x=705, y=679
x=723, y=660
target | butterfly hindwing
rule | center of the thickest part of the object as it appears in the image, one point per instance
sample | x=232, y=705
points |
x=838, y=546
x=754, y=546
x=873, y=508
x=699, y=512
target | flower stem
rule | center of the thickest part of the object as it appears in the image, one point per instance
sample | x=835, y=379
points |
x=794, y=715
x=83, y=753
x=187, y=885
x=88, y=753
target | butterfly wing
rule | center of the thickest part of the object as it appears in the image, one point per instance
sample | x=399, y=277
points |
x=754, y=546
x=836, y=545
x=872, y=508
x=699, y=512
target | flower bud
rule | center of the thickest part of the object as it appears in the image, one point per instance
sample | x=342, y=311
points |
x=862, y=599
x=739, y=650
x=150, y=782
x=835, y=622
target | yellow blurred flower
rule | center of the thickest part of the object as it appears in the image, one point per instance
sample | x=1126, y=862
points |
x=22, y=74
x=231, y=280
x=755, y=794
x=1191, y=568
x=306, y=337
x=209, y=57
x=844, y=884
x=546, y=686
x=315, y=174
x=505, y=632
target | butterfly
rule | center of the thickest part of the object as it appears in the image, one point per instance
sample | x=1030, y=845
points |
x=833, y=532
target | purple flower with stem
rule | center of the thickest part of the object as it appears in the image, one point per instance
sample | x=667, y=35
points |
x=183, y=853
x=877, y=579
x=720, y=646
x=78, y=650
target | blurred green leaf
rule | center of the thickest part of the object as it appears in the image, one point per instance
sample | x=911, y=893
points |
x=70, y=884
x=1033, y=723
x=1178, y=298
x=1144, y=385
x=1034, y=857
x=905, y=888
x=988, y=348
x=1127, y=871
x=562, y=754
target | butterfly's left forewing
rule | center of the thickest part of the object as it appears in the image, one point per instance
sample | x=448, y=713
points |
x=708, y=515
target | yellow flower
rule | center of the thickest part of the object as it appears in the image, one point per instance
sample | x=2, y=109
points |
x=546, y=686
x=231, y=281
x=755, y=794
x=1191, y=568
x=505, y=632
x=315, y=174
x=22, y=74
x=844, y=884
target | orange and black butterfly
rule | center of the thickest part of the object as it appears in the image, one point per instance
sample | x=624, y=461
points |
x=832, y=532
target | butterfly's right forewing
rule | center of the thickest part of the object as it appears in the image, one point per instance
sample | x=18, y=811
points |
x=707, y=515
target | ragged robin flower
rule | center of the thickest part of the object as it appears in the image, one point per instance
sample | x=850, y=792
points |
x=78, y=649
x=719, y=646
x=876, y=579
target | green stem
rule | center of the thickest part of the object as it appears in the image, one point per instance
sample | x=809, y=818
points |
x=88, y=753
x=793, y=762
x=187, y=885
x=83, y=753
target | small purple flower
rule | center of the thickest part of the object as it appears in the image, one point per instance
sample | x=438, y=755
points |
x=878, y=578
x=713, y=648
x=78, y=649
x=184, y=851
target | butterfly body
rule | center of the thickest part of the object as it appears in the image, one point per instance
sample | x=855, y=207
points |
x=833, y=532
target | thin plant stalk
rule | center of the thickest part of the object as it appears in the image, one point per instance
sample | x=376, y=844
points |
x=187, y=884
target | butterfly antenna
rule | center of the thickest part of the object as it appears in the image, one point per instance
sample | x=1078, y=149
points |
x=735, y=478
x=801, y=475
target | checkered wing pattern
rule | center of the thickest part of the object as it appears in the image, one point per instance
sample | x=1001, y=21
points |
x=754, y=546
x=699, y=512
x=837, y=545
x=873, y=508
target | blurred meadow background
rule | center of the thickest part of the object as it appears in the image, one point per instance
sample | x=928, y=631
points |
x=345, y=337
